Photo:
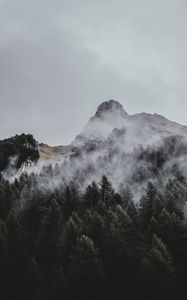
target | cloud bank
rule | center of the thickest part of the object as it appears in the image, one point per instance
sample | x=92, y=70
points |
x=60, y=59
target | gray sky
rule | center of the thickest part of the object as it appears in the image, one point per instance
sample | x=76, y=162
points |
x=60, y=59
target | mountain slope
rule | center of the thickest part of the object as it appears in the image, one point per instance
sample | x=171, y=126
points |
x=129, y=149
x=141, y=129
x=55, y=153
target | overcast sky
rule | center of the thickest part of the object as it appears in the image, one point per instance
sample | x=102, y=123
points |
x=60, y=59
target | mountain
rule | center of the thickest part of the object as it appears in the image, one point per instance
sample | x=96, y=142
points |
x=112, y=122
x=63, y=236
x=139, y=129
x=130, y=149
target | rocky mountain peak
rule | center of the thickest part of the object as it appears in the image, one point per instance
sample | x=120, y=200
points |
x=110, y=106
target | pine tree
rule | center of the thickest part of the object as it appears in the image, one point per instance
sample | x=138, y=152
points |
x=158, y=271
x=157, y=206
x=132, y=211
x=3, y=260
x=121, y=252
x=32, y=282
x=18, y=255
x=6, y=199
x=70, y=235
x=47, y=248
x=71, y=200
x=92, y=195
x=146, y=205
x=126, y=195
x=165, y=224
x=94, y=227
x=172, y=201
x=106, y=190
x=152, y=229
x=85, y=276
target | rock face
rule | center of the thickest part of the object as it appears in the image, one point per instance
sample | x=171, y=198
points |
x=54, y=154
x=141, y=129
x=112, y=107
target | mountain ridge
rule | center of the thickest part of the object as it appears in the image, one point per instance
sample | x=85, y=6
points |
x=126, y=148
x=111, y=114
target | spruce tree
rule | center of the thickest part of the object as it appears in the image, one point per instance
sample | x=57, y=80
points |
x=158, y=271
x=146, y=205
x=4, y=259
x=92, y=195
x=32, y=283
x=47, y=248
x=85, y=276
x=106, y=190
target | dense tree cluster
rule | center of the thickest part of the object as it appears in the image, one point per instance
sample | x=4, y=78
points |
x=22, y=147
x=97, y=244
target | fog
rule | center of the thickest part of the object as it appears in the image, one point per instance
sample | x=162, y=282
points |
x=60, y=59
x=129, y=149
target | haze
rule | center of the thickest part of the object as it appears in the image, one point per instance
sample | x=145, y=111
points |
x=60, y=59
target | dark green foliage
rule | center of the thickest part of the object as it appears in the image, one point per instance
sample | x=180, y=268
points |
x=6, y=199
x=175, y=196
x=106, y=190
x=85, y=275
x=32, y=282
x=48, y=241
x=146, y=205
x=22, y=147
x=158, y=271
x=95, y=244
x=92, y=195
x=4, y=260
x=18, y=256
x=70, y=201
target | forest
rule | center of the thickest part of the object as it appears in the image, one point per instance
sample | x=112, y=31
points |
x=93, y=244
x=22, y=147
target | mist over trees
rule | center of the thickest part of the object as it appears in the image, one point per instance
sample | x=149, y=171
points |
x=95, y=244
x=63, y=236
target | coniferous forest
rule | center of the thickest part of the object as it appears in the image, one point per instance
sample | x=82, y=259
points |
x=95, y=244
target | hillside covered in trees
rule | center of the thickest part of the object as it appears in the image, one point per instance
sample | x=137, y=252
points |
x=92, y=244
x=21, y=147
